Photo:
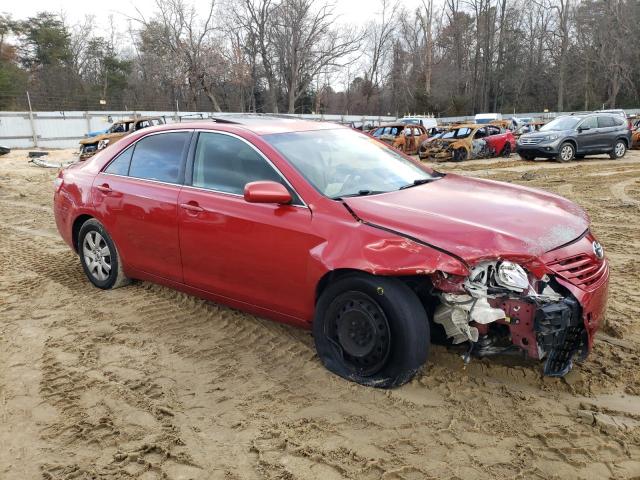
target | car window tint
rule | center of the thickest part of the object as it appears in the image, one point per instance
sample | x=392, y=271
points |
x=590, y=122
x=605, y=121
x=619, y=121
x=120, y=165
x=159, y=157
x=226, y=164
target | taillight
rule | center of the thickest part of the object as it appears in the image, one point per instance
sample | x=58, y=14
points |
x=57, y=183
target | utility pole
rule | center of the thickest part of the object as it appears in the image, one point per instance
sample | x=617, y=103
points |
x=33, y=125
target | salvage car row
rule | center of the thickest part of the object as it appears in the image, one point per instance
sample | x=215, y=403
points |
x=564, y=139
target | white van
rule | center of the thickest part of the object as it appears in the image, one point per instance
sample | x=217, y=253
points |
x=426, y=122
x=487, y=117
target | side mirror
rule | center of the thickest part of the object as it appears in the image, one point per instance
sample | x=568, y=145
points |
x=266, y=191
x=583, y=129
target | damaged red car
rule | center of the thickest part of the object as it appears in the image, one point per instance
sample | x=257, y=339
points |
x=326, y=228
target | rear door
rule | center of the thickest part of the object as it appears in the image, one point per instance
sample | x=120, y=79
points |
x=254, y=253
x=136, y=197
x=607, y=131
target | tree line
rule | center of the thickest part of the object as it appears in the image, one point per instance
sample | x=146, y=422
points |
x=448, y=57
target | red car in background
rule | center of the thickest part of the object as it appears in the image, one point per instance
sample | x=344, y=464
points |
x=326, y=228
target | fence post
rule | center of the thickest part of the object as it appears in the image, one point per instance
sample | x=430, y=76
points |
x=31, y=121
x=86, y=113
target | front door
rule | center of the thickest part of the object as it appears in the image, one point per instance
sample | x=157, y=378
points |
x=588, y=139
x=254, y=253
x=136, y=197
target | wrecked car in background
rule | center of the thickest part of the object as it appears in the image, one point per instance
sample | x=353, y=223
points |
x=468, y=141
x=405, y=137
x=89, y=146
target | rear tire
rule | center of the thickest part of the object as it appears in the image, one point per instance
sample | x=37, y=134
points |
x=99, y=256
x=619, y=150
x=371, y=330
x=566, y=153
x=506, y=151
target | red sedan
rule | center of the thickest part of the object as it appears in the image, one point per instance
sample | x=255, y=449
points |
x=326, y=228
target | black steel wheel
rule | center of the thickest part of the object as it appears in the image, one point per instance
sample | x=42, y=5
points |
x=371, y=330
x=361, y=331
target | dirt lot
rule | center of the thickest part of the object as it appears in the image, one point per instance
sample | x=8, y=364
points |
x=145, y=382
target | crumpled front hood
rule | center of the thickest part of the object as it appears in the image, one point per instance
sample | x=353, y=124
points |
x=476, y=219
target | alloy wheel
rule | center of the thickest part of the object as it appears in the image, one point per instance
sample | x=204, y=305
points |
x=97, y=255
x=620, y=149
x=566, y=153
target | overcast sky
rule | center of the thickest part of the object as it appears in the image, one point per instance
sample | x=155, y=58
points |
x=356, y=12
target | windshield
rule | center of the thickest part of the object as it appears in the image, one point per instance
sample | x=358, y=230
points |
x=562, y=123
x=457, y=133
x=344, y=162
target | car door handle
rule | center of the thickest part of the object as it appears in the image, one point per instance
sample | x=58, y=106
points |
x=192, y=207
x=104, y=188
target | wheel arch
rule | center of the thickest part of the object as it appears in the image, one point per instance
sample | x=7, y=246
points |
x=624, y=139
x=75, y=228
x=573, y=143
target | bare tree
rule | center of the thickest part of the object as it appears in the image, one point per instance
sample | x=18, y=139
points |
x=307, y=44
x=188, y=38
x=379, y=36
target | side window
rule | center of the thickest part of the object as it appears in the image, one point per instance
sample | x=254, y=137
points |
x=159, y=157
x=120, y=165
x=619, y=121
x=605, y=121
x=590, y=122
x=480, y=133
x=493, y=130
x=226, y=164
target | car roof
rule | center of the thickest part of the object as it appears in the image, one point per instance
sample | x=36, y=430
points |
x=257, y=124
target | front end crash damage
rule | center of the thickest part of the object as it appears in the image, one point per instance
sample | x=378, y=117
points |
x=500, y=308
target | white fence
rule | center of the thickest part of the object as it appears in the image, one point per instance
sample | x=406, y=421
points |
x=65, y=129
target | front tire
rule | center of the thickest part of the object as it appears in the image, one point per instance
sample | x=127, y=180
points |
x=371, y=330
x=99, y=256
x=459, y=155
x=619, y=150
x=566, y=153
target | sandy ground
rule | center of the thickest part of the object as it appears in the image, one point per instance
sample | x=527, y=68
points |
x=144, y=382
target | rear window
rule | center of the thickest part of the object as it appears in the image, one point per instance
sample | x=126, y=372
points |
x=159, y=157
x=605, y=121
x=120, y=165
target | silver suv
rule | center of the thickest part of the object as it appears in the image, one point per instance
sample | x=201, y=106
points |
x=575, y=136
